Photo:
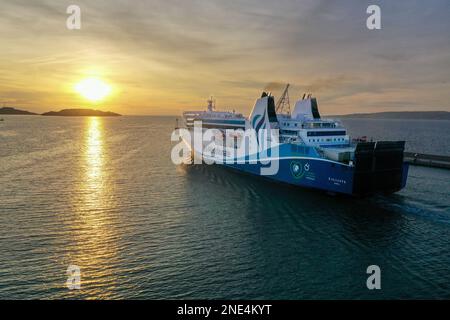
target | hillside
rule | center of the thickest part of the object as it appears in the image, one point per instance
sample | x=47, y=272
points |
x=13, y=111
x=81, y=113
x=411, y=115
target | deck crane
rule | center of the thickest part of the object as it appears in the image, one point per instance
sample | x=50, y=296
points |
x=283, y=104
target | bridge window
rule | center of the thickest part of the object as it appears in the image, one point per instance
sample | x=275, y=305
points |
x=325, y=133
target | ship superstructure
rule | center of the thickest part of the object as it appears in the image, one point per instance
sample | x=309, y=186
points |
x=310, y=152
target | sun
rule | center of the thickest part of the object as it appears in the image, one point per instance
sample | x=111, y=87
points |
x=93, y=89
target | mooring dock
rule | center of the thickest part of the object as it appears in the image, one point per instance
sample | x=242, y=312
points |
x=427, y=160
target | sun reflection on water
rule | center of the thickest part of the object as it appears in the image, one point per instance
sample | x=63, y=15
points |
x=93, y=227
x=94, y=153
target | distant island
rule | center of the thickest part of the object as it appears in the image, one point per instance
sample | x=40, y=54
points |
x=81, y=113
x=405, y=115
x=62, y=113
x=13, y=111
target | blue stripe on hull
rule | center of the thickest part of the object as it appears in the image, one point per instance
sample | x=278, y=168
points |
x=300, y=166
x=308, y=173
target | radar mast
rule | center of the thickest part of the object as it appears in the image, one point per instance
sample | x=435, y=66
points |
x=211, y=104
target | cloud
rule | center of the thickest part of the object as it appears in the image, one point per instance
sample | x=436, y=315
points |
x=272, y=86
x=162, y=54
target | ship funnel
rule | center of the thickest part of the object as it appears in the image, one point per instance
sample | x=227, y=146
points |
x=263, y=115
x=306, y=108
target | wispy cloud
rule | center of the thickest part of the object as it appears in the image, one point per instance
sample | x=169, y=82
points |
x=163, y=56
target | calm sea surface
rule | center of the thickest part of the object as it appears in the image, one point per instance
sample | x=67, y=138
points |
x=103, y=194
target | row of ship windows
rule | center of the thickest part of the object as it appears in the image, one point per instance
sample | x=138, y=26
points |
x=312, y=125
x=327, y=140
x=288, y=124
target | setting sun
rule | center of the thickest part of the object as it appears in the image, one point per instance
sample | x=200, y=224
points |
x=93, y=89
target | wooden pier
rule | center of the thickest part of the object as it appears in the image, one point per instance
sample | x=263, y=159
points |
x=427, y=160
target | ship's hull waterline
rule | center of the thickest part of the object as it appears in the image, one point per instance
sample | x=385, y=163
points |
x=316, y=173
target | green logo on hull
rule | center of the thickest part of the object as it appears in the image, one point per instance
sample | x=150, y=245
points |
x=297, y=169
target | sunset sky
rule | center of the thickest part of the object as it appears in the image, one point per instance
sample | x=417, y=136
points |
x=163, y=57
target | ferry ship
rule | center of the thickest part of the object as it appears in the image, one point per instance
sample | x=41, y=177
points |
x=311, y=152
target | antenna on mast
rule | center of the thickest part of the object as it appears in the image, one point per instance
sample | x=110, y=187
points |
x=211, y=104
x=283, y=104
